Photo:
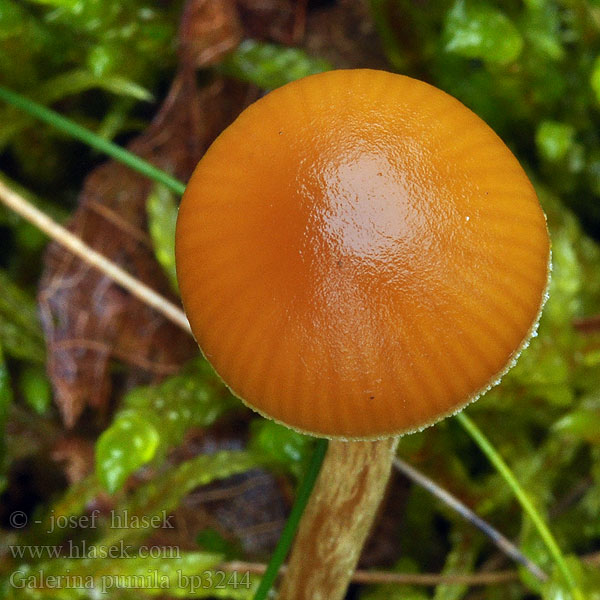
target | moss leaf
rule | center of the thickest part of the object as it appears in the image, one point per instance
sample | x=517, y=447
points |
x=481, y=31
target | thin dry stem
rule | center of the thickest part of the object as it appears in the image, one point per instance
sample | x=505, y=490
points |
x=71, y=242
x=501, y=541
x=379, y=577
x=588, y=325
x=425, y=579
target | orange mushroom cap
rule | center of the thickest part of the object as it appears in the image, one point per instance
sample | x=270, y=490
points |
x=359, y=255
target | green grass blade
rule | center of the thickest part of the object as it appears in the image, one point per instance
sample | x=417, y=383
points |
x=509, y=477
x=289, y=531
x=86, y=136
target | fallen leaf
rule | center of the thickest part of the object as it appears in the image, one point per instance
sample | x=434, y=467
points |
x=247, y=509
x=344, y=34
x=273, y=20
x=87, y=319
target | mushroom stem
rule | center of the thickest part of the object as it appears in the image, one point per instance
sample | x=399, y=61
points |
x=337, y=519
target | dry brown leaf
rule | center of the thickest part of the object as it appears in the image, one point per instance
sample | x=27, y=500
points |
x=248, y=509
x=209, y=29
x=76, y=456
x=87, y=319
x=342, y=32
x=345, y=35
x=274, y=20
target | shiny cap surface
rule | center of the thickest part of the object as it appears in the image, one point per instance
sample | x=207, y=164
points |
x=359, y=255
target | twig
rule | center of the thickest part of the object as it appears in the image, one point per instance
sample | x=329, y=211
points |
x=592, y=559
x=587, y=324
x=424, y=579
x=434, y=579
x=375, y=577
x=503, y=543
x=74, y=244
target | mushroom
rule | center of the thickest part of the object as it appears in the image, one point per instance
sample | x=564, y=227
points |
x=359, y=256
